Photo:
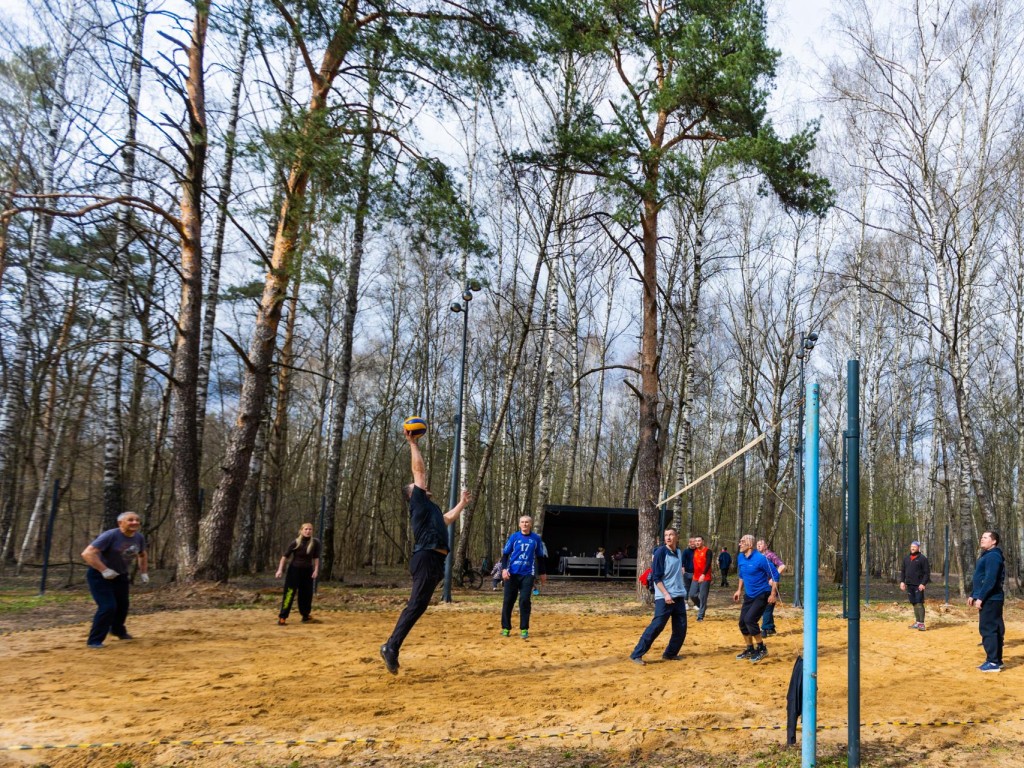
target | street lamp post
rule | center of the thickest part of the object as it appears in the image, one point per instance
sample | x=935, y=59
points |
x=807, y=341
x=453, y=490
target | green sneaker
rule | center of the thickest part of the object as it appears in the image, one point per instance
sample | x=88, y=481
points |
x=524, y=633
x=506, y=632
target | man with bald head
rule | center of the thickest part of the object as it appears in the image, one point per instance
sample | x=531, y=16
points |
x=914, y=575
x=758, y=586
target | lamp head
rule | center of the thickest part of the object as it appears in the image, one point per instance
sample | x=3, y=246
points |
x=467, y=296
x=456, y=307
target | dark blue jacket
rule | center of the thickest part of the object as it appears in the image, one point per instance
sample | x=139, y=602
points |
x=688, y=561
x=988, y=576
x=724, y=561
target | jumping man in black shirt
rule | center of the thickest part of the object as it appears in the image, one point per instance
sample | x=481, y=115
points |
x=430, y=535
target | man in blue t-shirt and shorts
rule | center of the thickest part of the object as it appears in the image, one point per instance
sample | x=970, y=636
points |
x=430, y=548
x=522, y=559
x=758, y=587
x=110, y=557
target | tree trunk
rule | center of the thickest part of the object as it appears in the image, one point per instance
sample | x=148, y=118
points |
x=220, y=227
x=278, y=443
x=184, y=446
x=602, y=364
x=121, y=270
x=573, y=335
x=12, y=403
x=548, y=397
x=343, y=371
x=649, y=445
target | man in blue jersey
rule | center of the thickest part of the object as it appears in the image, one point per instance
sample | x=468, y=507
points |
x=758, y=586
x=669, y=601
x=522, y=560
x=430, y=535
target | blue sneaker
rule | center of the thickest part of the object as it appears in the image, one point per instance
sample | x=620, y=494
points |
x=990, y=666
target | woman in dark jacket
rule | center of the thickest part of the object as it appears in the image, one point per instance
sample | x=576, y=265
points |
x=302, y=572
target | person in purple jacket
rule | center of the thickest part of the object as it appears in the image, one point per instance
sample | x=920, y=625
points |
x=768, y=619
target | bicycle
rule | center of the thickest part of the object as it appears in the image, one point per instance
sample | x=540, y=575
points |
x=470, y=577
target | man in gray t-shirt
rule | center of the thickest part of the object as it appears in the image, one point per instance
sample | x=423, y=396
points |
x=110, y=557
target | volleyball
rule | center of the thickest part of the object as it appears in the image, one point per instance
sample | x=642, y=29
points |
x=415, y=426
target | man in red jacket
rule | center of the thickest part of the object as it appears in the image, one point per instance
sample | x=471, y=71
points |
x=701, y=584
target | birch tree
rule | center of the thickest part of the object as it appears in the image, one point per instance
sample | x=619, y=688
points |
x=931, y=98
x=686, y=72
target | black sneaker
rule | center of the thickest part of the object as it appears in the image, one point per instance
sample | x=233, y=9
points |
x=747, y=653
x=768, y=632
x=677, y=657
x=759, y=654
x=390, y=660
x=125, y=636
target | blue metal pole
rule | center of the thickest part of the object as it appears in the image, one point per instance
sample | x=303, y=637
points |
x=48, y=540
x=453, y=489
x=846, y=523
x=798, y=509
x=810, y=713
x=853, y=562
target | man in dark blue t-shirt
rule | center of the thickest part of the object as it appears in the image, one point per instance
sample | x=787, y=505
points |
x=430, y=547
x=110, y=558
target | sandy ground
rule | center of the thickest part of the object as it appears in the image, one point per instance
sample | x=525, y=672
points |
x=218, y=674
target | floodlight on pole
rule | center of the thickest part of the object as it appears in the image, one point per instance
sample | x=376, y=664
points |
x=807, y=341
x=453, y=490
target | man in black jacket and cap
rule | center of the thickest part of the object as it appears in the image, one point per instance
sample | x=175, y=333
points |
x=914, y=575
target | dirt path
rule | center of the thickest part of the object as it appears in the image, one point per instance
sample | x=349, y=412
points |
x=216, y=674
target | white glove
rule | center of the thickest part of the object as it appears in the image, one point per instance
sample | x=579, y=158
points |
x=144, y=578
x=110, y=573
